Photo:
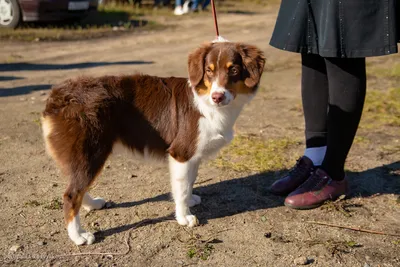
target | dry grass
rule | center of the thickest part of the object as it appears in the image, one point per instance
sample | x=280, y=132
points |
x=200, y=246
x=382, y=108
x=251, y=153
x=54, y=204
x=385, y=72
x=108, y=20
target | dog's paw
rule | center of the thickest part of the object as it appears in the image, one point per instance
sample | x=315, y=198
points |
x=195, y=200
x=83, y=238
x=95, y=204
x=188, y=220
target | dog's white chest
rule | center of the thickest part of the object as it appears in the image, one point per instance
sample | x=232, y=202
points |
x=216, y=124
x=213, y=135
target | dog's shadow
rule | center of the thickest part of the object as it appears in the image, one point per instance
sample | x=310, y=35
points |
x=251, y=193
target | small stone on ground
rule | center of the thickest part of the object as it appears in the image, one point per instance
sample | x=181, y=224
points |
x=301, y=261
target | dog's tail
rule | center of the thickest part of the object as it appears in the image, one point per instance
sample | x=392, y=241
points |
x=77, y=130
x=77, y=122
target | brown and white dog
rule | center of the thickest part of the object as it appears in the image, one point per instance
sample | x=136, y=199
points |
x=184, y=121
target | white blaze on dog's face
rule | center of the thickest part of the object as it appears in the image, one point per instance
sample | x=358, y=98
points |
x=222, y=72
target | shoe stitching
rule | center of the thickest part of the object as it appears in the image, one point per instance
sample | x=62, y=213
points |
x=317, y=192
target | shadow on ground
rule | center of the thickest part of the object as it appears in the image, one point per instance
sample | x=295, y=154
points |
x=84, y=65
x=250, y=193
x=241, y=12
x=22, y=90
x=9, y=78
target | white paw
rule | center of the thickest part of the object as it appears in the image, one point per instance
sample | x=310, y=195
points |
x=195, y=200
x=95, y=204
x=83, y=238
x=189, y=220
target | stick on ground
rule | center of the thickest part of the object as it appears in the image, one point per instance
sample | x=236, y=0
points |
x=353, y=228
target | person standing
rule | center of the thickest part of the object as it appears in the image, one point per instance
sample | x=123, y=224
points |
x=334, y=38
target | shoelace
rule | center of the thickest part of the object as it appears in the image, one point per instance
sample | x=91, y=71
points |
x=298, y=168
x=314, y=182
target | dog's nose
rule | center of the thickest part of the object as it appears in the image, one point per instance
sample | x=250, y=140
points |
x=218, y=97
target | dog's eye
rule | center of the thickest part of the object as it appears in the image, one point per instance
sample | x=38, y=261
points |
x=233, y=71
x=209, y=72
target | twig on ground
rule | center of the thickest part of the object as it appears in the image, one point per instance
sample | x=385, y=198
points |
x=128, y=249
x=197, y=238
x=352, y=228
x=202, y=182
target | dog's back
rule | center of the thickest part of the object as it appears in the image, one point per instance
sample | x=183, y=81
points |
x=84, y=117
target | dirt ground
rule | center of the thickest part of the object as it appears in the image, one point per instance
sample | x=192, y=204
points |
x=241, y=223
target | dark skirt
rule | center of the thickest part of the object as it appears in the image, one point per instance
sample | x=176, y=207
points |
x=338, y=28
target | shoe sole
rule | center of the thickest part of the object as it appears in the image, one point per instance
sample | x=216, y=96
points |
x=276, y=193
x=304, y=207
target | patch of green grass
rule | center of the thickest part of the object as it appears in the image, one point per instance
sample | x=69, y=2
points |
x=392, y=72
x=339, y=247
x=361, y=140
x=55, y=204
x=352, y=244
x=395, y=72
x=191, y=252
x=198, y=246
x=381, y=109
x=32, y=203
x=203, y=252
x=250, y=153
x=38, y=122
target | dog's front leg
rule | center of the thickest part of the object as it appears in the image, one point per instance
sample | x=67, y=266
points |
x=183, y=175
x=193, y=199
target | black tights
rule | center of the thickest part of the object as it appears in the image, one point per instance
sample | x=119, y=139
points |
x=333, y=94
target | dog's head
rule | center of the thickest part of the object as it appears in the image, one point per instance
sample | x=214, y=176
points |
x=221, y=72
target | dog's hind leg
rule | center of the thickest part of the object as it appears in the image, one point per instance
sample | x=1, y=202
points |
x=80, y=152
x=181, y=181
x=73, y=197
x=85, y=169
x=89, y=203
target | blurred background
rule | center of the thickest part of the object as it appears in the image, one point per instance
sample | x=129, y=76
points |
x=84, y=19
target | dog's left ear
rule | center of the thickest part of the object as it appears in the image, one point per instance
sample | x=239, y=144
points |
x=196, y=63
x=254, y=62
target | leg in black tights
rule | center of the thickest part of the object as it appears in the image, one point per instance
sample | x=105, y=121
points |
x=314, y=91
x=333, y=94
x=347, y=89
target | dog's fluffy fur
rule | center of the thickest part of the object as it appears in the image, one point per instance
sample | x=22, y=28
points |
x=171, y=118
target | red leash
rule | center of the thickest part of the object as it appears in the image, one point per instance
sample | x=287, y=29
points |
x=215, y=17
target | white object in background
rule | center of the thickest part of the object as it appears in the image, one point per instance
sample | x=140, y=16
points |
x=78, y=5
